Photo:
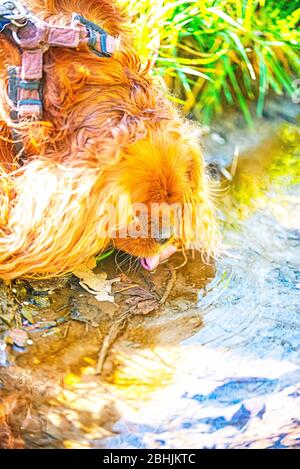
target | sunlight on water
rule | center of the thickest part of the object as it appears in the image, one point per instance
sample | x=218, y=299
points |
x=236, y=382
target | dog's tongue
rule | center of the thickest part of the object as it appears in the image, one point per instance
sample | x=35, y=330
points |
x=151, y=263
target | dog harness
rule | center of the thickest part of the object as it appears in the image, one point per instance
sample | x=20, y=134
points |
x=35, y=37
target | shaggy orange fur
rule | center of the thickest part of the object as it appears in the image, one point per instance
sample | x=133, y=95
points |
x=107, y=131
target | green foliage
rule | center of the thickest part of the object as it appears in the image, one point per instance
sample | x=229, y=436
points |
x=105, y=255
x=281, y=168
x=211, y=53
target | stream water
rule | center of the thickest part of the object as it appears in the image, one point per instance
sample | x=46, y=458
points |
x=217, y=367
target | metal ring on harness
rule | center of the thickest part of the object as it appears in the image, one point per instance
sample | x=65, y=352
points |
x=37, y=35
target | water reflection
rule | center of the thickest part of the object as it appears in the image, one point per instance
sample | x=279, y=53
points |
x=238, y=379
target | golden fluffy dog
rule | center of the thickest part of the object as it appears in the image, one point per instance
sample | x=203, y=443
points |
x=108, y=138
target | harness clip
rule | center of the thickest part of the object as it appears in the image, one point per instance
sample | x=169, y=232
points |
x=12, y=13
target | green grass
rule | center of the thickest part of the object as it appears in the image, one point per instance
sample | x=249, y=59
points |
x=215, y=53
x=280, y=170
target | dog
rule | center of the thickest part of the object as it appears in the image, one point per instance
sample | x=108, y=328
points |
x=107, y=137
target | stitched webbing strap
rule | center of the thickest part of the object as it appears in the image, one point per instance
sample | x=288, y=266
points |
x=3, y=23
x=101, y=43
x=34, y=38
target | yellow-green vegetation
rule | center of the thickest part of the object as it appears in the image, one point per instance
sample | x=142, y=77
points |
x=213, y=53
x=275, y=164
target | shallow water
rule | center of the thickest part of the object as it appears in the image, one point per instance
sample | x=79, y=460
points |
x=217, y=367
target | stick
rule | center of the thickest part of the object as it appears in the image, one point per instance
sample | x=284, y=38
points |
x=108, y=341
x=169, y=286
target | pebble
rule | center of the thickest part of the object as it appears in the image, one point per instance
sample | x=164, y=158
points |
x=218, y=138
x=3, y=357
x=18, y=337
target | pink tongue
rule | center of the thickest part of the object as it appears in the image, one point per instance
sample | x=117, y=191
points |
x=151, y=263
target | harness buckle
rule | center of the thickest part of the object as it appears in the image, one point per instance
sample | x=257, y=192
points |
x=12, y=12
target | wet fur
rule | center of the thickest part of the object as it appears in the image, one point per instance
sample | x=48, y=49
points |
x=106, y=126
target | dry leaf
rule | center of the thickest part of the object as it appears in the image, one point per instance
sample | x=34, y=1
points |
x=139, y=300
x=96, y=284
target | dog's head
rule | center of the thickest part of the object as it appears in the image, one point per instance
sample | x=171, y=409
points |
x=106, y=115
x=162, y=177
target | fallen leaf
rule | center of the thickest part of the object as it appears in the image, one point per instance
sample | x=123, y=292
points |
x=27, y=312
x=140, y=300
x=96, y=284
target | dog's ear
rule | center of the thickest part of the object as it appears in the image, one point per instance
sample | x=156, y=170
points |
x=200, y=229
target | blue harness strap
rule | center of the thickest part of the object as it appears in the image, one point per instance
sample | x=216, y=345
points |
x=89, y=24
x=13, y=95
x=29, y=85
x=13, y=85
x=93, y=29
x=3, y=23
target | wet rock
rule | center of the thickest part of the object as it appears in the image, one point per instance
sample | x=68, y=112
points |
x=16, y=337
x=3, y=353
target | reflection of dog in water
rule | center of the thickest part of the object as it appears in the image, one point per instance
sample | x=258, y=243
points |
x=105, y=133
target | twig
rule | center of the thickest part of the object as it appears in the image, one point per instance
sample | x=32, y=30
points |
x=226, y=173
x=66, y=332
x=120, y=324
x=126, y=288
x=110, y=338
x=235, y=161
x=169, y=286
